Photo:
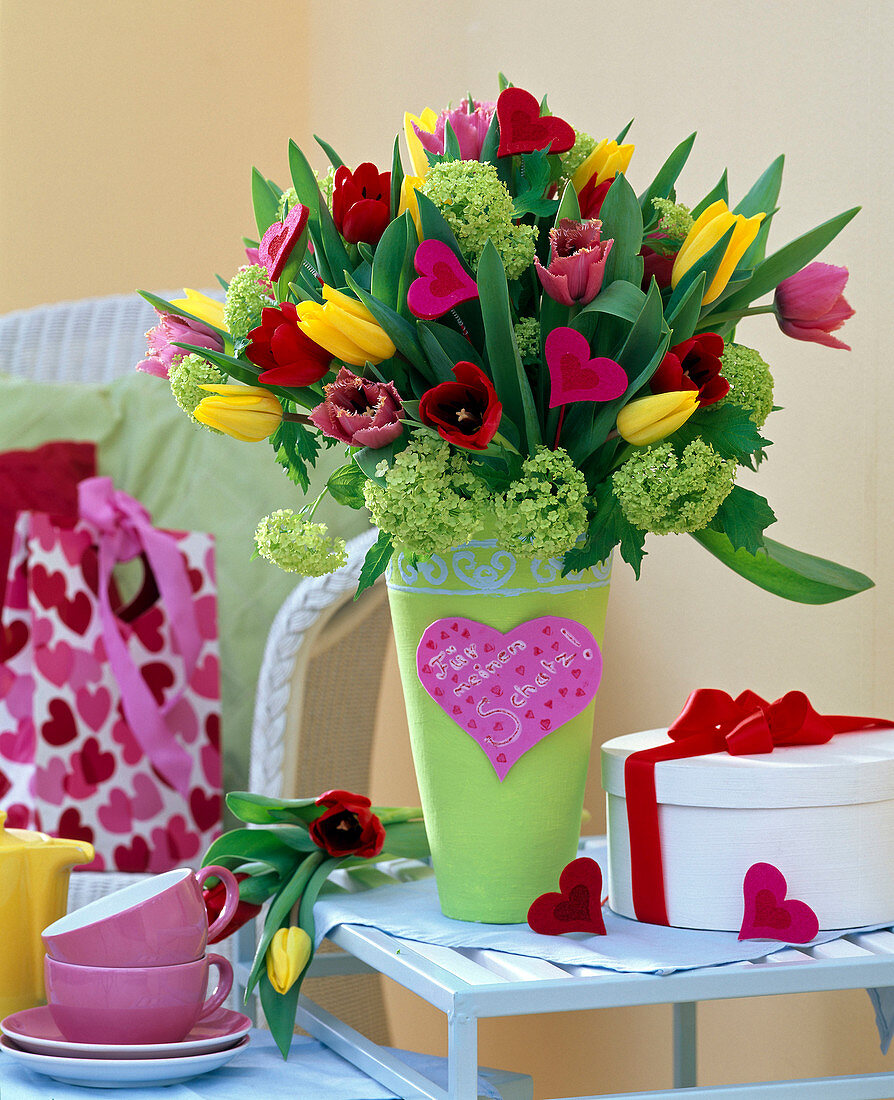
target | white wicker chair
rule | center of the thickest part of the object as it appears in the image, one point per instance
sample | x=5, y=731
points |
x=313, y=728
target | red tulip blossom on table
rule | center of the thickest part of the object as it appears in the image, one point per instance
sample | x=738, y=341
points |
x=360, y=412
x=348, y=827
x=466, y=412
x=215, y=899
x=810, y=304
x=361, y=203
x=285, y=355
x=577, y=261
x=693, y=365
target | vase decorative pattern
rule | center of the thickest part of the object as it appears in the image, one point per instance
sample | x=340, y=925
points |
x=496, y=846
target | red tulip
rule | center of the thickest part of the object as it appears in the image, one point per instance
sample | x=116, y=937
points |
x=656, y=263
x=361, y=203
x=693, y=365
x=810, y=304
x=215, y=898
x=285, y=355
x=592, y=196
x=466, y=412
x=348, y=827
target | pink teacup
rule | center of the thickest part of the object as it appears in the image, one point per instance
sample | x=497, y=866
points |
x=158, y=922
x=149, y=1004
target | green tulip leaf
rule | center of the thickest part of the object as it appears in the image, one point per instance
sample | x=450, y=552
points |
x=789, y=573
x=619, y=139
x=619, y=299
x=392, y=268
x=510, y=380
x=683, y=316
x=397, y=328
x=622, y=222
x=259, y=809
x=663, y=183
x=304, y=181
x=164, y=306
x=279, y=1012
x=265, y=201
x=397, y=178
x=334, y=159
x=569, y=207
x=718, y=193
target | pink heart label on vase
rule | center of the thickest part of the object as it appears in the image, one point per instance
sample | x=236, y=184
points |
x=443, y=282
x=574, y=376
x=768, y=916
x=509, y=691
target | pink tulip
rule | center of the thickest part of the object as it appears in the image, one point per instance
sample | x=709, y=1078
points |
x=469, y=124
x=359, y=412
x=576, y=262
x=810, y=304
x=172, y=329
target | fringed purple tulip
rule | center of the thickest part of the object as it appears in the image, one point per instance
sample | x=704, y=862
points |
x=359, y=412
x=172, y=329
x=470, y=126
x=577, y=262
x=810, y=304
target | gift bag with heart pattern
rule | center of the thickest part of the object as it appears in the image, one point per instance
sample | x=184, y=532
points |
x=110, y=715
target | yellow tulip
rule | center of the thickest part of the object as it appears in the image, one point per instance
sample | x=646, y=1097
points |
x=426, y=121
x=408, y=200
x=248, y=413
x=607, y=159
x=288, y=954
x=203, y=307
x=345, y=328
x=707, y=230
x=648, y=419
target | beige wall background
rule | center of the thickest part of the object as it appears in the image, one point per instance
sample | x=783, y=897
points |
x=128, y=132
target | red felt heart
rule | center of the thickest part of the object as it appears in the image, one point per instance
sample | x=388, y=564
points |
x=768, y=915
x=522, y=129
x=578, y=905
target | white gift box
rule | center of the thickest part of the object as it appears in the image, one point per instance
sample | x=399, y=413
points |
x=822, y=814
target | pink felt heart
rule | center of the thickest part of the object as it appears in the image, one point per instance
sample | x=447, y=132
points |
x=578, y=905
x=522, y=129
x=768, y=915
x=443, y=282
x=574, y=376
x=507, y=700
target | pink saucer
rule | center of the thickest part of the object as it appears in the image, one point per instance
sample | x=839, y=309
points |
x=33, y=1030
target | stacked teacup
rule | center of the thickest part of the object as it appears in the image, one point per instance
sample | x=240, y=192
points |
x=131, y=967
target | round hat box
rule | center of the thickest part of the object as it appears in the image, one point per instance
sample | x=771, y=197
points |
x=822, y=814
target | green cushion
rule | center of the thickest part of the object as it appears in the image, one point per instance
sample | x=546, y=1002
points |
x=190, y=479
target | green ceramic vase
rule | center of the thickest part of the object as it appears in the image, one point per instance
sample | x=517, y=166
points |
x=496, y=846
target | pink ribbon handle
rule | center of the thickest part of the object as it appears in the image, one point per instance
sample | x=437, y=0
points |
x=123, y=531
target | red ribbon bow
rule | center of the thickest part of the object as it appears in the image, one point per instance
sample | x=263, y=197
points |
x=712, y=721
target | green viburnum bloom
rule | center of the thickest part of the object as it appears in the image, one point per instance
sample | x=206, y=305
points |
x=666, y=493
x=287, y=200
x=296, y=545
x=478, y=208
x=576, y=155
x=544, y=508
x=527, y=338
x=431, y=500
x=187, y=376
x=675, y=219
x=750, y=382
x=248, y=293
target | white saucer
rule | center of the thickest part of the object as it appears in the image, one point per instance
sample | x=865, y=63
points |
x=33, y=1029
x=134, y=1073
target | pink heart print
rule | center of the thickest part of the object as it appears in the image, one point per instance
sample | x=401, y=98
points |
x=574, y=376
x=443, y=282
x=509, y=691
x=768, y=916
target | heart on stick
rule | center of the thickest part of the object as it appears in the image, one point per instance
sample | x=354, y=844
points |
x=574, y=376
x=443, y=281
x=522, y=129
x=768, y=915
x=578, y=905
x=509, y=691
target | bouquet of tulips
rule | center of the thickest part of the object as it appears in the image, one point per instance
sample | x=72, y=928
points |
x=501, y=329
x=285, y=857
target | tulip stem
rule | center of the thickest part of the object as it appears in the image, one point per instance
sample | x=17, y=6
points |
x=735, y=314
x=296, y=418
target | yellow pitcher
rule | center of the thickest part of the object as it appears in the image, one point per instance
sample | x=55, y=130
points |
x=34, y=872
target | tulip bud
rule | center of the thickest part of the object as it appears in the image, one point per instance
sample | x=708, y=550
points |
x=710, y=226
x=426, y=122
x=648, y=419
x=408, y=200
x=248, y=413
x=288, y=954
x=200, y=305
